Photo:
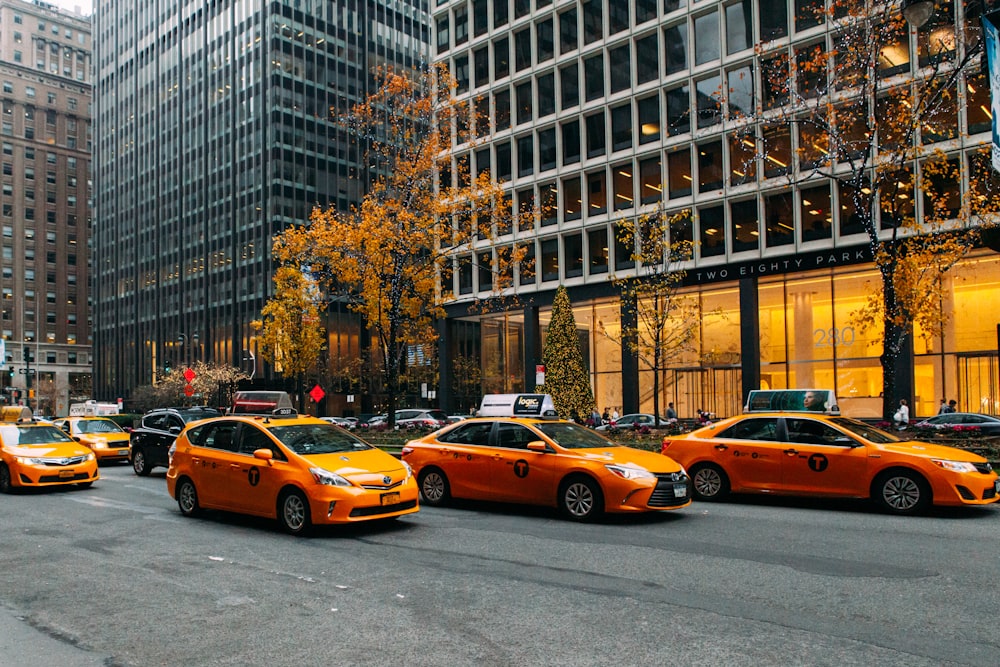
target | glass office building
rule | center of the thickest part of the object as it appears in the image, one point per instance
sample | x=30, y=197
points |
x=602, y=110
x=214, y=131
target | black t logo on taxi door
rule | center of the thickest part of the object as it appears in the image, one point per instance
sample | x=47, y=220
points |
x=254, y=476
x=521, y=468
x=818, y=462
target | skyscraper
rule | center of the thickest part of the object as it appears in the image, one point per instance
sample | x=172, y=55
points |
x=215, y=126
x=46, y=95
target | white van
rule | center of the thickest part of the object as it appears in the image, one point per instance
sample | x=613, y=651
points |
x=792, y=400
x=539, y=406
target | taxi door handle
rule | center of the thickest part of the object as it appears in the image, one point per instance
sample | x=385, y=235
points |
x=792, y=452
x=235, y=466
x=722, y=448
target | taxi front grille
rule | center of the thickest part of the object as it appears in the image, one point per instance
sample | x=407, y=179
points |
x=48, y=479
x=381, y=487
x=991, y=492
x=63, y=462
x=383, y=509
x=663, y=495
x=984, y=468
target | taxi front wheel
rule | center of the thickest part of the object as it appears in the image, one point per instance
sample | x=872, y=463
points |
x=580, y=498
x=709, y=482
x=293, y=513
x=187, y=498
x=901, y=492
x=434, y=487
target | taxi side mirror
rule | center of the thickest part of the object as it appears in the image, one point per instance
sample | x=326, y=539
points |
x=263, y=454
x=538, y=446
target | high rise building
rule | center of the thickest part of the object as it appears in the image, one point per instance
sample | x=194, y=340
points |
x=215, y=131
x=602, y=110
x=45, y=58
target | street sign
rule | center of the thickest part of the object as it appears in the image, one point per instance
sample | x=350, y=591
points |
x=317, y=393
x=27, y=371
x=189, y=375
x=188, y=390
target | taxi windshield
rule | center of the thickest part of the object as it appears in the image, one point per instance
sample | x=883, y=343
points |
x=866, y=431
x=32, y=435
x=98, y=426
x=317, y=439
x=573, y=436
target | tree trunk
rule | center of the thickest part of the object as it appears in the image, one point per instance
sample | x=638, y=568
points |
x=892, y=340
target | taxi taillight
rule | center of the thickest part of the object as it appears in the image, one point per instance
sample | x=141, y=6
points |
x=405, y=450
x=665, y=446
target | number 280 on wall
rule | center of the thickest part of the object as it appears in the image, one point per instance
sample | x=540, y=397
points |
x=830, y=337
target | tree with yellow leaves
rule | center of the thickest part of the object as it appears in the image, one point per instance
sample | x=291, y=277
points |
x=391, y=257
x=859, y=116
x=291, y=334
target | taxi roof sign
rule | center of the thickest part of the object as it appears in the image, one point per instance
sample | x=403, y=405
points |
x=539, y=406
x=792, y=400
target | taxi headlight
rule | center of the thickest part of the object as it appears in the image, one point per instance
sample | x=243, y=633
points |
x=30, y=461
x=89, y=457
x=100, y=443
x=409, y=470
x=629, y=472
x=321, y=476
x=954, y=466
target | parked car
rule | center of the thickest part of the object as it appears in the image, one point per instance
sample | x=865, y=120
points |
x=342, y=422
x=811, y=454
x=157, y=431
x=35, y=454
x=105, y=438
x=986, y=424
x=300, y=470
x=632, y=421
x=421, y=419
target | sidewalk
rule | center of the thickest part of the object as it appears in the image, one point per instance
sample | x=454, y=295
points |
x=21, y=645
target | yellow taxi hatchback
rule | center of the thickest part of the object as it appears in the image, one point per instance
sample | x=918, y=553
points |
x=108, y=440
x=300, y=470
x=805, y=454
x=545, y=462
x=34, y=454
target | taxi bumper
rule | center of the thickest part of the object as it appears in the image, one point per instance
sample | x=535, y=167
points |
x=331, y=505
x=112, y=451
x=966, y=489
x=51, y=474
x=667, y=491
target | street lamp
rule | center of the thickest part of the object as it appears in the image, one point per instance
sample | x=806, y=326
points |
x=182, y=340
x=917, y=12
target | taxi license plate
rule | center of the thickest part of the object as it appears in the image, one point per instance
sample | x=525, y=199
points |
x=122, y=452
x=67, y=473
x=680, y=490
x=390, y=498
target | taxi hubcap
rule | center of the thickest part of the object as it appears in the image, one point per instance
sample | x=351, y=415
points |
x=294, y=512
x=579, y=499
x=707, y=482
x=433, y=488
x=901, y=493
x=187, y=497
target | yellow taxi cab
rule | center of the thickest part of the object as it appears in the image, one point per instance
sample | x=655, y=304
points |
x=108, y=440
x=518, y=451
x=825, y=454
x=35, y=454
x=300, y=470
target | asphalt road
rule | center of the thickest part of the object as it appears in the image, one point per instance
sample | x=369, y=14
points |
x=115, y=576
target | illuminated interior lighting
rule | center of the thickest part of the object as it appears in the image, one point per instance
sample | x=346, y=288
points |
x=755, y=233
x=747, y=142
x=986, y=111
x=711, y=232
x=776, y=161
x=686, y=177
x=806, y=202
x=738, y=173
x=657, y=188
x=815, y=211
x=625, y=174
x=781, y=224
x=649, y=129
x=971, y=88
x=820, y=149
x=866, y=191
x=623, y=197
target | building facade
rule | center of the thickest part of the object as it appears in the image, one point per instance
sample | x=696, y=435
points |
x=601, y=110
x=216, y=131
x=45, y=73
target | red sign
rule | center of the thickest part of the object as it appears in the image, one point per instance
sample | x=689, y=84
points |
x=188, y=390
x=189, y=375
x=317, y=393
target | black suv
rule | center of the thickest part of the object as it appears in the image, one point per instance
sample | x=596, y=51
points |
x=157, y=431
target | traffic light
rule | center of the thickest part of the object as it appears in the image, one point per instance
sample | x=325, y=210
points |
x=11, y=373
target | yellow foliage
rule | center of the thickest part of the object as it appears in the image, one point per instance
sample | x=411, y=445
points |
x=291, y=334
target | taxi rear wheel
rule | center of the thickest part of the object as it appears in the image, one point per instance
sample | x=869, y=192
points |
x=139, y=463
x=5, y=484
x=580, y=498
x=901, y=492
x=434, y=487
x=293, y=512
x=187, y=498
x=709, y=482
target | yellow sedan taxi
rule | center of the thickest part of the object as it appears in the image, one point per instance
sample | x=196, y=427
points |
x=300, y=470
x=816, y=454
x=542, y=460
x=108, y=440
x=34, y=454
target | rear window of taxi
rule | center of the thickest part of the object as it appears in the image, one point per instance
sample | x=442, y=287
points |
x=32, y=435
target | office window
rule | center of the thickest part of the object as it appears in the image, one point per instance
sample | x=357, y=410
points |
x=442, y=34
x=779, y=220
x=501, y=58
x=480, y=16
x=777, y=150
x=649, y=119
x=571, y=141
x=572, y=198
x=678, y=111
x=547, y=149
x=500, y=13
x=544, y=40
x=548, y=209
x=573, y=254
x=709, y=91
x=808, y=14
x=484, y=264
x=521, y=8
x=596, y=140
x=623, y=186
x=546, y=95
x=773, y=19
x=592, y=12
x=739, y=27
x=816, y=213
x=624, y=249
x=481, y=66
x=740, y=99
x=569, y=85
x=597, y=193
x=526, y=267
x=650, y=180
x=647, y=62
x=742, y=159
x=465, y=274
x=501, y=109
x=679, y=173
x=706, y=38
x=550, y=259
x=522, y=94
x=568, y=37
x=526, y=212
x=745, y=225
x=621, y=68
x=597, y=250
x=522, y=49
x=712, y=226
x=525, y=155
x=460, y=68
x=710, y=166
x=593, y=77
x=621, y=127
